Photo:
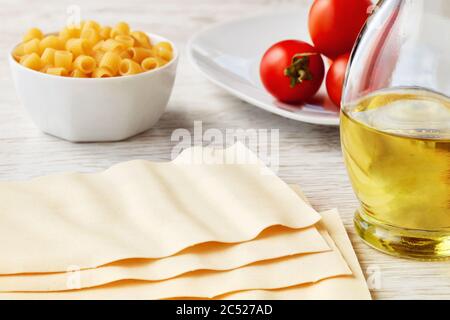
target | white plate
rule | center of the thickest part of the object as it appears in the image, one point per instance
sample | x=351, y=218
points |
x=229, y=54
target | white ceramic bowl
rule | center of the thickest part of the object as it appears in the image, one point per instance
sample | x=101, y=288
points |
x=103, y=109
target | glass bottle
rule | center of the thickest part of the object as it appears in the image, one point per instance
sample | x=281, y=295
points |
x=395, y=128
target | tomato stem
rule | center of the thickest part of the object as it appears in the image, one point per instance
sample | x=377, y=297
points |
x=298, y=71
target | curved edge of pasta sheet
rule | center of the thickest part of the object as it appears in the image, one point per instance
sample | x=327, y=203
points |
x=101, y=224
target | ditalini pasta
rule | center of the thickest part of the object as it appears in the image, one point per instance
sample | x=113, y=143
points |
x=48, y=56
x=91, y=50
x=32, y=61
x=77, y=46
x=142, y=39
x=63, y=59
x=85, y=64
x=101, y=73
x=51, y=41
x=126, y=40
x=139, y=54
x=33, y=33
x=31, y=46
x=57, y=71
x=128, y=67
x=149, y=64
x=110, y=61
x=77, y=74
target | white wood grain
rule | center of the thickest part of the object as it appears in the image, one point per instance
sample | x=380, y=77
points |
x=309, y=155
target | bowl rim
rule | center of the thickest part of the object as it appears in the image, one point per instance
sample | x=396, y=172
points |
x=152, y=36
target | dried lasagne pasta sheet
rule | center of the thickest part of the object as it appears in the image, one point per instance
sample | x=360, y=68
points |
x=142, y=209
x=275, y=242
x=273, y=274
x=268, y=275
x=351, y=287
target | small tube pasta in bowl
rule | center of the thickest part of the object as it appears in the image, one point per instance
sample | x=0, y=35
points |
x=31, y=46
x=102, y=73
x=121, y=28
x=75, y=73
x=129, y=67
x=77, y=46
x=111, y=61
x=33, y=33
x=86, y=64
x=126, y=40
x=57, y=71
x=150, y=63
x=63, y=59
x=48, y=56
x=100, y=47
x=93, y=82
x=51, y=41
x=139, y=54
x=32, y=61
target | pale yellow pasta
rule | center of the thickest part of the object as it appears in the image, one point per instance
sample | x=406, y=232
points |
x=113, y=45
x=32, y=61
x=150, y=63
x=164, y=44
x=141, y=39
x=51, y=41
x=57, y=71
x=125, y=54
x=139, y=54
x=122, y=28
x=69, y=32
x=33, y=33
x=45, y=68
x=110, y=61
x=18, y=52
x=105, y=32
x=63, y=59
x=85, y=64
x=91, y=24
x=102, y=73
x=98, y=55
x=163, y=50
x=22, y=58
x=78, y=74
x=31, y=46
x=161, y=62
x=92, y=50
x=128, y=67
x=98, y=46
x=77, y=46
x=91, y=35
x=126, y=40
x=48, y=56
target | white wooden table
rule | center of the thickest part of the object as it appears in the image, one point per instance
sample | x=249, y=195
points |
x=310, y=155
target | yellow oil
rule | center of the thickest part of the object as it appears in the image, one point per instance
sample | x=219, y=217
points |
x=396, y=146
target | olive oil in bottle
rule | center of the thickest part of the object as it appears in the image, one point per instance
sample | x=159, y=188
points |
x=396, y=145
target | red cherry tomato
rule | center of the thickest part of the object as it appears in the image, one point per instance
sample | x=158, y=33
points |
x=335, y=78
x=292, y=71
x=334, y=25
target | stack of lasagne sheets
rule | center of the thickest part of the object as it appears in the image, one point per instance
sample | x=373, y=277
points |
x=209, y=224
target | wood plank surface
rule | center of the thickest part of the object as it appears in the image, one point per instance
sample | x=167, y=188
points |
x=310, y=155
